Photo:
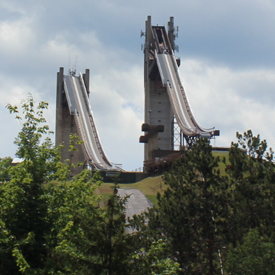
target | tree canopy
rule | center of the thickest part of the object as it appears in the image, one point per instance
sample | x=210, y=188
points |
x=51, y=224
x=204, y=214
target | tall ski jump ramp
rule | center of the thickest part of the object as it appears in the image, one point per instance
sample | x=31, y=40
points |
x=74, y=116
x=166, y=104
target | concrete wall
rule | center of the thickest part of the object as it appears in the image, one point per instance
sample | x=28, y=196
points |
x=161, y=114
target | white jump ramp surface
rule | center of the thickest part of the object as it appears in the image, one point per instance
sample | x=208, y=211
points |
x=136, y=204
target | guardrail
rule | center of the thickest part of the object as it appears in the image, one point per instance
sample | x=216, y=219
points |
x=176, y=113
x=172, y=93
x=160, y=68
x=188, y=108
x=83, y=138
x=95, y=133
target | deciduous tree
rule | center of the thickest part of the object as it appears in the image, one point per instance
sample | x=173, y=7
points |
x=254, y=256
x=57, y=227
x=23, y=206
x=5, y=163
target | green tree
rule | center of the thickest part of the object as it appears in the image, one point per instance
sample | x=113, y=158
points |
x=255, y=256
x=90, y=239
x=154, y=261
x=5, y=163
x=39, y=155
x=251, y=178
x=190, y=213
x=56, y=227
x=202, y=213
x=23, y=206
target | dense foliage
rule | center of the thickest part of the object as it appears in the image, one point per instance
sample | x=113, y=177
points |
x=52, y=225
x=5, y=163
x=254, y=256
x=205, y=216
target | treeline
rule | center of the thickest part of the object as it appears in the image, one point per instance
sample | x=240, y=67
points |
x=206, y=222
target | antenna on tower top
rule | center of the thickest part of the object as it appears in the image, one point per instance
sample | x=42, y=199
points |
x=73, y=70
x=69, y=60
x=75, y=63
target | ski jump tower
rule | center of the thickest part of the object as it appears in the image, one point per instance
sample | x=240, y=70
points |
x=168, y=116
x=66, y=124
x=74, y=116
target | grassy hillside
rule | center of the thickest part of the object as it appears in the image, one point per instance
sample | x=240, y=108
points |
x=221, y=155
x=152, y=185
x=149, y=187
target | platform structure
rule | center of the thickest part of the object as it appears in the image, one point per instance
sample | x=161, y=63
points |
x=169, y=124
x=74, y=116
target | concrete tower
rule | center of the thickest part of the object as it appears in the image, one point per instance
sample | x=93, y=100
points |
x=159, y=117
x=65, y=123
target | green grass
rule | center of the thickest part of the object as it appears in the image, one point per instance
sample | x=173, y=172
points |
x=222, y=155
x=149, y=187
x=152, y=185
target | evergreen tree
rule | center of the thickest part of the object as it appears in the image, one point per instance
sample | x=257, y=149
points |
x=202, y=213
x=251, y=181
x=190, y=213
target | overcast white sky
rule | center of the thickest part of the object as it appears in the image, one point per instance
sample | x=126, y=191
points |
x=227, y=64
